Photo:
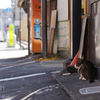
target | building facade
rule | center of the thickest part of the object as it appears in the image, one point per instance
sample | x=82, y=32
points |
x=18, y=15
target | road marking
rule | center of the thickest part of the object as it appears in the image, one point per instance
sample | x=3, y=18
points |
x=41, y=90
x=55, y=72
x=30, y=94
x=17, y=65
x=20, y=77
x=9, y=98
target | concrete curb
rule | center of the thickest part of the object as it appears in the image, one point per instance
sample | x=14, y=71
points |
x=53, y=75
x=15, y=61
x=52, y=63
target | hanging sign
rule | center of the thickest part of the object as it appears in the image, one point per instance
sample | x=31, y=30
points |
x=11, y=31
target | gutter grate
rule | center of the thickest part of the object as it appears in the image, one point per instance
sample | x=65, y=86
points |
x=90, y=90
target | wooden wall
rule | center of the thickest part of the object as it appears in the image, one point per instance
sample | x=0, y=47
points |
x=24, y=29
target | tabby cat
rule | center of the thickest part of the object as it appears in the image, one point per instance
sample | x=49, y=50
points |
x=86, y=70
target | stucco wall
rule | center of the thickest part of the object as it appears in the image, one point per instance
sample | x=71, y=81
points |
x=62, y=37
x=62, y=34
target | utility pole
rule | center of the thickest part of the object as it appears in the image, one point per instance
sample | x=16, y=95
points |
x=20, y=28
x=44, y=27
x=12, y=6
x=28, y=18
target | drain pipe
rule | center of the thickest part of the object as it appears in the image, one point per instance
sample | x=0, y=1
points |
x=93, y=1
x=28, y=21
x=71, y=29
x=75, y=26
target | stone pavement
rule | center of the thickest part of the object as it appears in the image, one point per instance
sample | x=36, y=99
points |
x=71, y=83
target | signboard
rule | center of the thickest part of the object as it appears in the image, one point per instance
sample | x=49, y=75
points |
x=9, y=13
x=11, y=31
x=8, y=9
x=62, y=10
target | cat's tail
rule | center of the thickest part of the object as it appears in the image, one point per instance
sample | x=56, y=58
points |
x=91, y=81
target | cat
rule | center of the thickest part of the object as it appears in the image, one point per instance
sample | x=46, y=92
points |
x=86, y=70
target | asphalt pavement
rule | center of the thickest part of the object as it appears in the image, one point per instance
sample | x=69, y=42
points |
x=23, y=78
x=30, y=82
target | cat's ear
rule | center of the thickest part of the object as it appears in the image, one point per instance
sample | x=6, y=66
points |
x=79, y=60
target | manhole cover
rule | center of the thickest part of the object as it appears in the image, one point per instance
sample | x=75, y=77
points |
x=90, y=90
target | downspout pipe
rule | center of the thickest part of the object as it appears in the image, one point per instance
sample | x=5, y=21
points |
x=28, y=19
x=71, y=28
x=75, y=26
x=85, y=6
x=93, y=1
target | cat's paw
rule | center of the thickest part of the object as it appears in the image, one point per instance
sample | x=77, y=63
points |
x=83, y=78
x=80, y=77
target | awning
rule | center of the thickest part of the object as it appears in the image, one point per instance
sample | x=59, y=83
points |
x=20, y=2
x=23, y=4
